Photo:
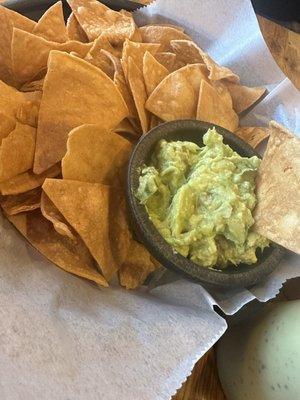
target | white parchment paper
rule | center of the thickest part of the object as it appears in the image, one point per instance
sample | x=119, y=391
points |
x=64, y=338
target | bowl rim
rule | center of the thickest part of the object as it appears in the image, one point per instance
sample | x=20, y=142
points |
x=157, y=245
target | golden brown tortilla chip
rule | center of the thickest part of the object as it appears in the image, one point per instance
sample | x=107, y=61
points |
x=218, y=72
x=166, y=59
x=114, y=60
x=6, y=74
x=28, y=64
x=18, y=20
x=162, y=35
x=137, y=266
x=102, y=43
x=179, y=28
x=121, y=84
x=153, y=72
x=51, y=26
x=33, y=86
x=93, y=211
x=10, y=100
x=102, y=62
x=8, y=20
x=15, y=204
x=222, y=91
x=176, y=97
x=7, y=124
x=212, y=108
x=244, y=97
x=96, y=19
x=252, y=135
x=104, y=56
x=95, y=155
x=138, y=90
x=17, y=151
x=187, y=51
x=28, y=181
x=51, y=213
x=72, y=256
x=75, y=31
x=136, y=51
x=190, y=53
x=19, y=221
x=29, y=111
x=87, y=95
x=277, y=214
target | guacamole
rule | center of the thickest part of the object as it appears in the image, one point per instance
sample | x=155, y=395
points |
x=201, y=200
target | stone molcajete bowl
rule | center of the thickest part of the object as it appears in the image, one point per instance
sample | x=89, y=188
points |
x=191, y=130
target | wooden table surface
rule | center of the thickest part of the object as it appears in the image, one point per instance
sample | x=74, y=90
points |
x=203, y=384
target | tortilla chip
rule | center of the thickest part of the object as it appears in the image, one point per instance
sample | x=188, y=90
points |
x=93, y=210
x=10, y=100
x=162, y=35
x=51, y=213
x=17, y=151
x=119, y=232
x=222, y=91
x=136, y=51
x=179, y=28
x=72, y=256
x=28, y=112
x=102, y=43
x=153, y=72
x=28, y=64
x=176, y=97
x=95, y=155
x=8, y=20
x=166, y=59
x=107, y=62
x=28, y=181
x=6, y=74
x=137, y=37
x=115, y=61
x=19, y=221
x=102, y=62
x=187, y=51
x=218, y=72
x=277, y=214
x=121, y=84
x=7, y=124
x=212, y=108
x=104, y=56
x=18, y=20
x=138, y=90
x=137, y=266
x=244, y=97
x=190, y=53
x=75, y=31
x=87, y=95
x=51, y=26
x=96, y=19
x=15, y=204
x=252, y=135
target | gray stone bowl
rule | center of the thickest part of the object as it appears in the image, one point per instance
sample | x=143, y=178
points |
x=233, y=277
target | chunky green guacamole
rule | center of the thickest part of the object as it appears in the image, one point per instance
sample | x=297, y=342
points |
x=201, y=200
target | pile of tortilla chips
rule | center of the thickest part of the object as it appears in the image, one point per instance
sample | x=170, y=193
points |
x=74, y=98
